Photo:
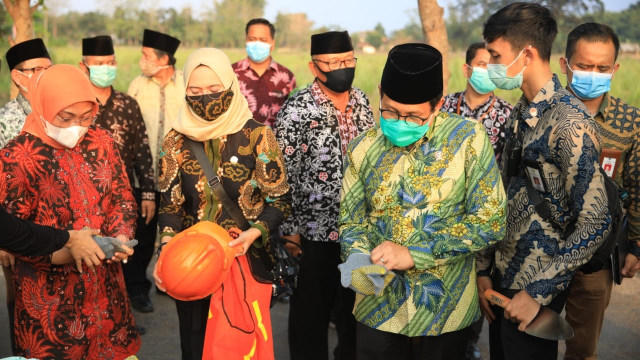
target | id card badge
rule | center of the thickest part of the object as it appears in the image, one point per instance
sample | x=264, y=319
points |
x=610, y=160
x=535, y=176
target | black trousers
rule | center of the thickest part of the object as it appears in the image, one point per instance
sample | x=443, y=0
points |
x=507, y=342
x=319, y=292
x=135, y=270
x=192, y=320
x=375, y=344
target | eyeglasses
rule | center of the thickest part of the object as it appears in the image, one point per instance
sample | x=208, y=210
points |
x=411, y=120
x=34, y=70
x=84, y=121
x=210, y=95
x=336, y=64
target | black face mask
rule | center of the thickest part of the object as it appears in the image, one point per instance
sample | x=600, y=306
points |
x=338, y=80
x=210, y=106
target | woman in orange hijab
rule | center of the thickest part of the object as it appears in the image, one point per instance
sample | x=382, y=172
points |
x=64, y=172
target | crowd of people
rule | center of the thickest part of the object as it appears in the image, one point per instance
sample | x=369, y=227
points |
x=403, y=221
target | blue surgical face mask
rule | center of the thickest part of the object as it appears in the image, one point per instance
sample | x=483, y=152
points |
x=589, y=85
x=258, y=51
x=102, y=76
x=498, y=75
x=402, y=134
x=480, y=81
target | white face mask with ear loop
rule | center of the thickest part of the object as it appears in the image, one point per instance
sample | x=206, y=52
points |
x=67, y=137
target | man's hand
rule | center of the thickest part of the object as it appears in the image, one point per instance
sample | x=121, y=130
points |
x=82, y=247
x=522, y=308
x=631, y=266
x=148, y=210
x=484, y=283
x=294, y=250
x=392, y=256
x=7, y=259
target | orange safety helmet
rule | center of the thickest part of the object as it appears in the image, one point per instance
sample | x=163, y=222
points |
x=196, y=261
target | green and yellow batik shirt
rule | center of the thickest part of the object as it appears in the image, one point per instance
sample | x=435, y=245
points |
x=442, y=198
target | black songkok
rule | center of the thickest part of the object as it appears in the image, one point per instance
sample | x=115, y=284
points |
x=160, y=41
x=331, y=42
x=412, y=74
x=97, y=46
x=26, y=50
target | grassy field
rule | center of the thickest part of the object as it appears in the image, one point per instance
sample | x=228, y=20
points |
x=368, y=71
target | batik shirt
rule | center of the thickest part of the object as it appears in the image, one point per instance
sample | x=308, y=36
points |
x=313, y=136
x=493, y=114
x=121, y=115
x=250, y=167
x=12, y=116
x=619, y=128
x=561, y=139
x=159, y=106
x=265, y=94
x=443, y=199
x=61, y=313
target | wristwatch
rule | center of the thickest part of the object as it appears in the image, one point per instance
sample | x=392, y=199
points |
x=162, y=244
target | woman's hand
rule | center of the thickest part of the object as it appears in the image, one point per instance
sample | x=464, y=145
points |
x=7, y=259
x=244, y=240
x=158, y=280
x=83, y=247
x=121, y=256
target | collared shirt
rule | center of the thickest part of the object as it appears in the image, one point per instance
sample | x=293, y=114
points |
x=12, y=116
x=619, y=128
x=561, y=139
x=121, y=115
x=265, y=94
x=443, y=199
x=493, y=114
x=160, y=106
x=313, y=136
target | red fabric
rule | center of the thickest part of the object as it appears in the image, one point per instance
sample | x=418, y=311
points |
x=60, y=313
x=239, y=324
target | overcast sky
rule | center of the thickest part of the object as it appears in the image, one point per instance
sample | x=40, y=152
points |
x=354, y=15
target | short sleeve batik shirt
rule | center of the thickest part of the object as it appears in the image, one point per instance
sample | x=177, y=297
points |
x=265, y=94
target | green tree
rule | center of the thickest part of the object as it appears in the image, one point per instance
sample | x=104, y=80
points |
x=568, y=13
x=230, y=18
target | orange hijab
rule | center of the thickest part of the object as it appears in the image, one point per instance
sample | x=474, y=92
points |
x=55, y=89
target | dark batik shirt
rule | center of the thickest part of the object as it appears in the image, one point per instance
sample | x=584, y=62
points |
x=251, y=170
x=561, y=139
x=121, y=115
x=265, y=94
x=619, y=128
x=313, y=136
x=493, y=114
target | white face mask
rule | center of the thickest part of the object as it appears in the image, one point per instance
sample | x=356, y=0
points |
x=24, y=88
x=67, y=137
x=149, y=68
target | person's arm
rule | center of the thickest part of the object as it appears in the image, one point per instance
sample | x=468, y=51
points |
x=288, y=137
x=271, y=178
x=483, y=224
x=121, y=209
x=143, y=163
x=30, y=239
x=352, y=222
x=576, y=149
